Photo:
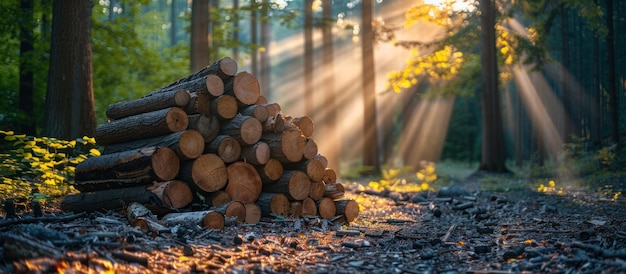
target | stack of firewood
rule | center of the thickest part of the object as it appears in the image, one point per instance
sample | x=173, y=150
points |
x=209, y=141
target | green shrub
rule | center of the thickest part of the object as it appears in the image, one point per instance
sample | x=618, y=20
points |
x=40, y=167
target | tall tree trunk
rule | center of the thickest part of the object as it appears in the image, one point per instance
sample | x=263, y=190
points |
x=493, y=148
x=69, y=107
x=26, y=104
x=254, y=38
x=173, y=18
x=370, y=125
x=566, y=94
x=596, y=123
x=265, y=54
x=614, y=97
x=330, y=106
x=308, y=57
x=236, y=31
x=199, y=34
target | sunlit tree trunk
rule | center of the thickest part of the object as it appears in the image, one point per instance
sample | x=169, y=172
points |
x=199, y=34
x=330, y=106
x=69, y=107
x=493, y=148
x=264, y=63
x=370, y=126
x=26, y=103
x=214, y=39
x=308, y=57
x=612, y=87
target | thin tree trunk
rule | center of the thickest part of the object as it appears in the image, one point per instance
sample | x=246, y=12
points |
x=493, y=149
x=27, y=55
x=173, y=16
x=614, y=98
x=370, y=125
x=254, y=65
x=265, y=54
x=308, y=57
x=330, y=106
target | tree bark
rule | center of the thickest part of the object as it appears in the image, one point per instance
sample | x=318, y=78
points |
x=224, y=68
x=370, y=126
x=207, y=172
x=225, y=146
x=171, y=194
x=294, y=183
x=245, y=87
x=348, y=208
x=143, y=125
x=174, y=98
x=69, y=107
x=207, y=218
x=274, y=204
x=334, y=191
x=493, y=148
x=244, y=183
x=199, y=54
x=257, y=154
x=246, y=129
x=206, y=124
x=199, y=103
x=304, y=208
x=26, y=104
x=128, y=168
x=257, y=111
x=286, y=147
x=308, y=57
x=187, y=144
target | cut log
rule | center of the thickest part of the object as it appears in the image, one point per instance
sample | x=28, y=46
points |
x=232, y=209
x=224, y=107
x=212, y=85
x=273, y=109
x=305, y=124
x=207, y=218
x=310, y=149
x=271, y=171
x=274, y=124
x=317, y=191
x=334, y=191
x=286, y=147
x=294, y=183
x=348, y=208
x=206, y=124
x=207, y=173
x=225, y=68
x=246, y=129
x=225, y=146
x=141, y=217
x=111, y=199
x=174, y=194
x=174, y=98
x=261, y=101
x=330, y=175
x=199, y=103
x=127, y=168
x=142, y=125
x=257, y=111
x=326, y=207
x=304, y=208
x=217, y=198
x=187, y=144
x=257, y=154
x=245, y=87
x=253, y=213
x=272, y=204
x=244, y=183
x=313, y=168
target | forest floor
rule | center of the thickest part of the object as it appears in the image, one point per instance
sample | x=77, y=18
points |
x=475, y=225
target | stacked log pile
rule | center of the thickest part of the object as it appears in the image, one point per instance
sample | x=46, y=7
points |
x=206, y=147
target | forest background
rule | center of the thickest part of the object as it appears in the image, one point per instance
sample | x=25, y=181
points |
x=390, y=84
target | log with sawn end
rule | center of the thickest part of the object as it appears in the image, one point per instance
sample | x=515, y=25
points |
x=245, y=87
x=127, y=168
x=142, y=125
x=294, y=183
x=206, y=124
x=225, y=146
x=326, y=207
x=199, y=103
x=207, y=173
x=313, y=168
x=188, y=144
x=224, y=107
x=246, y=129
x=271, y=171
x=173, y=98
x=304, y=208
x=287, y=146
x=348, y=208
x=257, y=154
x=206, y=218
x=244, y=183
x=274, y=204
x=257, y=111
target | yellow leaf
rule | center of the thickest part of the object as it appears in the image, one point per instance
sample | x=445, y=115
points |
x=551, y=183
x=7, y=132
x=94, y=152
x=9, y=138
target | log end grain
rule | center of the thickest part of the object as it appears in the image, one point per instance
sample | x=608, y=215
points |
x=173, y=194
x=299, y=185
x=251, y=130
x=310, y=149
x=228, y=66
x=191, y=145
x=305, y=124
x=244, y=182
x=176, y=119
x=213, y=220
x=218, y=198
x=348, y=208
x=253, y=213
x=280, y=205
x=246, y=88
x=326, y=207
x=318, y=189
x=165, y=163
x=209, y=172
x=271, y=171
x=224, y=107
x=181, y=97
x=237, y=210
x=214, y=85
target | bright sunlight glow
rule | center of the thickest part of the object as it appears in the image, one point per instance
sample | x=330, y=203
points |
x=456, y=5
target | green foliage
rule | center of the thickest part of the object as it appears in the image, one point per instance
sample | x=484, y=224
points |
x=396, y=179
x=41, y=167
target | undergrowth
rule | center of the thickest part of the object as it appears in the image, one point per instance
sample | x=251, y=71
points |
x=40, y=168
